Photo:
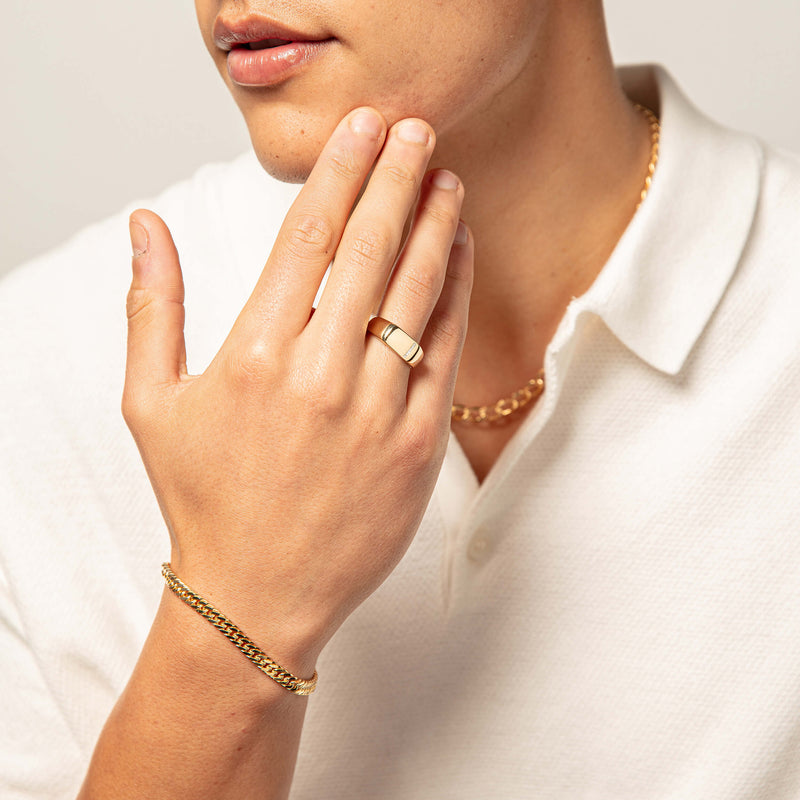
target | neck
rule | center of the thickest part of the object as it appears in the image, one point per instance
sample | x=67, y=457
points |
x=563, y=157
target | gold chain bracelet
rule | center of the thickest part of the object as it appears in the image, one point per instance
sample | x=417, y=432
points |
x=235, y=635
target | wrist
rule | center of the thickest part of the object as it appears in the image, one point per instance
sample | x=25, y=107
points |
x=288, y=659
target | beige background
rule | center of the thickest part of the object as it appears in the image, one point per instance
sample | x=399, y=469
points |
x=106, y=102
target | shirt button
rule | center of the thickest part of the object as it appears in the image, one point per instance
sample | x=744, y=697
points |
x=478, y=549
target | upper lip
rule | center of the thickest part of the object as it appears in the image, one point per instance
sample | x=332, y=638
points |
x=232, y=31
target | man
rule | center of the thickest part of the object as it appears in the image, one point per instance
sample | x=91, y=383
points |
x=601, y=597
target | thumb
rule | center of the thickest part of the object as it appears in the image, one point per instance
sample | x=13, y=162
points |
x=156, y=348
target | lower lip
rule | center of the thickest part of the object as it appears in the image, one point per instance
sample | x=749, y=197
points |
x=272, y=65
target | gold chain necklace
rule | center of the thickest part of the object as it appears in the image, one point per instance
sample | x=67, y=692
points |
x=506, y=406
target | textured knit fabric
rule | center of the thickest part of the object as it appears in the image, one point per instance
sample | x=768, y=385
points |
x=614, y=613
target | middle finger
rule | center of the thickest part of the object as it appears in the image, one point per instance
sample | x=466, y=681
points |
x=373, y=236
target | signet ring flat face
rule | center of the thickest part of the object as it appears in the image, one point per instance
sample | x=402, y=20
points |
x=396, y=339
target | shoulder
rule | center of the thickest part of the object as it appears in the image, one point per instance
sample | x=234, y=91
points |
x=776, y=224
x=219, y=203
x=223, y=218
x=769, y=270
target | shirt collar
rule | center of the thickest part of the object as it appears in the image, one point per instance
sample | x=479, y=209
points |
x=673, y=263
x=667, y=273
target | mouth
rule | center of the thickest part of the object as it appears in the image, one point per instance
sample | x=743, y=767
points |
x=254, y=32
x=261, y=52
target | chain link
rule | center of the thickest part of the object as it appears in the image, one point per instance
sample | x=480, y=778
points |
x=235, y=635
x=505, y=407
x=655, y=141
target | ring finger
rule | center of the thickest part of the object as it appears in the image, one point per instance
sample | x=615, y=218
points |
x=417, y=280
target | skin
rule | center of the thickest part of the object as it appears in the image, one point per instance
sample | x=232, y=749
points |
x=520, y=101
x=528, y=113
x=290, y=123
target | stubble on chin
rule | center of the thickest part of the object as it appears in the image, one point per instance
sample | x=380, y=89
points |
x=289, y=151
x=286, y=172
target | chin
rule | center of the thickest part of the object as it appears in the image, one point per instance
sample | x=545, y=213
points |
x=285, y=168
x=289, y=142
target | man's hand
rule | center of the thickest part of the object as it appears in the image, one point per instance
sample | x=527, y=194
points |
x=293, y=473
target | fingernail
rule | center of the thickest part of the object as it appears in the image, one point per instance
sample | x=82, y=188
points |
x=367, y=123
x=413, y=132
x=445, y=180
x=461, y=234
x=140, y=241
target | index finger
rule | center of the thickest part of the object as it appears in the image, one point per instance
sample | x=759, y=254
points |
x=313, y=227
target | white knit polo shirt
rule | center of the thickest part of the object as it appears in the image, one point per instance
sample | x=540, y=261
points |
x=614, y=613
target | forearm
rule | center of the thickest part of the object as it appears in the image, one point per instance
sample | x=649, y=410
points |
x=198, y=719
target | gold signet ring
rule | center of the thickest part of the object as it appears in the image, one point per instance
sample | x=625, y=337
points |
x=397, y=339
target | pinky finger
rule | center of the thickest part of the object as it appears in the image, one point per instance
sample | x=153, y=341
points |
x=432, y=383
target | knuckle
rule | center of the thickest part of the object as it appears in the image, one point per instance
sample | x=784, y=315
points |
x=442, y=216
x=446, y=328
x=311, y=232
x=134, y=408
x=422, y=441
x=371, y=248
x=422, y=283
x=317, y=384
x=130, y=412
x=345, y=164
x=329, y=398
x=138, y=302
x=460, y=271
x=402, y=175
x=252, y=365
x=331, y=403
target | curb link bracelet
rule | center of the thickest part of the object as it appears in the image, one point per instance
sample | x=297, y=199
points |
x=235, y=635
